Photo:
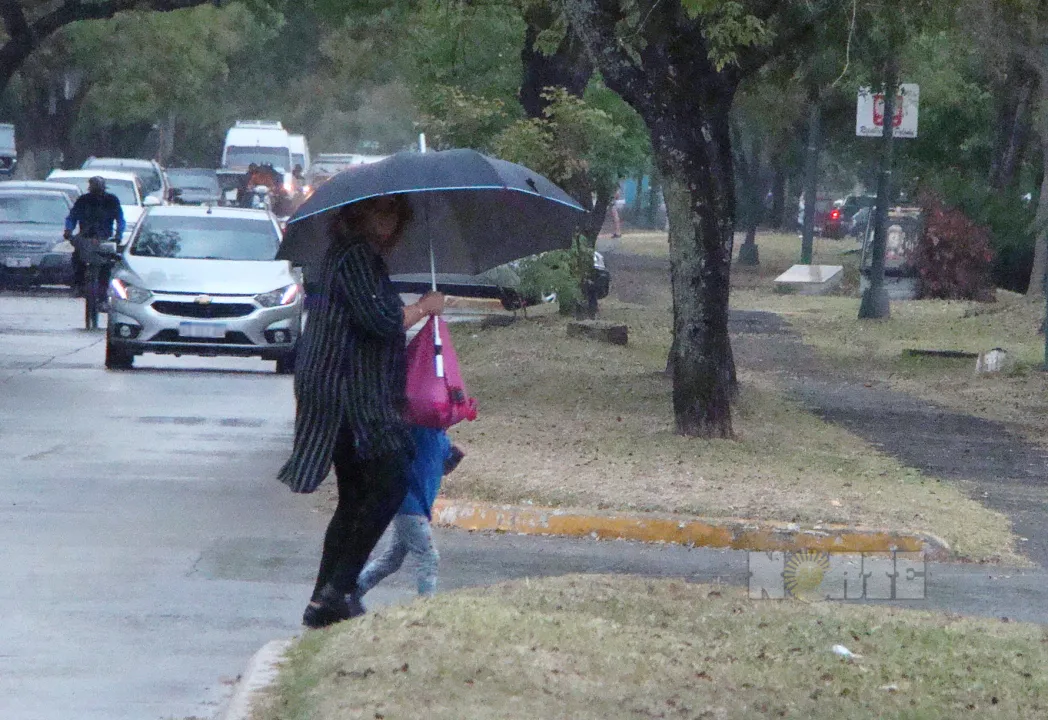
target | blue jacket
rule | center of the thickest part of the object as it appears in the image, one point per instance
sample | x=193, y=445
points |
x=432, y=449
x=98, y=216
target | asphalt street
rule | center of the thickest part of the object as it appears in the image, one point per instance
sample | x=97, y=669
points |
x=147, y=551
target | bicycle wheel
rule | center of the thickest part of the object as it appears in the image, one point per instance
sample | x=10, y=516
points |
x=91, y=297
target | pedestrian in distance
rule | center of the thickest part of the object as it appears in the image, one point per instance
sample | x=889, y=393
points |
x=412, y=535
x=350, y=385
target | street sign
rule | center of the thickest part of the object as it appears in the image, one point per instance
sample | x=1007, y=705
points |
x=869, y=112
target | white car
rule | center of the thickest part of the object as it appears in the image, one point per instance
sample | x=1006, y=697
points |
x=124, y=185
x=151, y=177
x=196, y=280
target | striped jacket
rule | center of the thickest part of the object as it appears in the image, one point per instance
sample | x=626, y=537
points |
x=350, y=371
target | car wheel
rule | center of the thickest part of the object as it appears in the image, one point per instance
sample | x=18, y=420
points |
x=117, y=359
x=286, y=364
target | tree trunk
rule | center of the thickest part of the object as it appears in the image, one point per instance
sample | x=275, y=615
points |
x=1040, y=248
x=701, y=357
x=1015, y=109
x=748, y=172
x=874, y=303
x=685, y=101
x=568, y=67
x=811, y=177
x=651, y=216
x=778, y=191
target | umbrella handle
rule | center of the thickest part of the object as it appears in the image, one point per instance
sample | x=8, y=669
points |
x=438, y=348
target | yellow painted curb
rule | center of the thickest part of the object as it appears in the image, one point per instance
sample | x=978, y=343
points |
x=736, y=534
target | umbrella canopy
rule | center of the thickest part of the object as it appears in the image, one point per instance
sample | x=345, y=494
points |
x=472, y=211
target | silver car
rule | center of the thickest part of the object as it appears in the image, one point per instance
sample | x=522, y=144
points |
x=203, y=281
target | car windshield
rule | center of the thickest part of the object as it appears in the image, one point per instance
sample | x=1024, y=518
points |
x=49, y=209
x=123, y=189
x=206, y=238
x=193, y=181
x=148, y=177
x=244, y=156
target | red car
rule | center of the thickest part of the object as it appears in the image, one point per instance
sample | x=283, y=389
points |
x=834, y=224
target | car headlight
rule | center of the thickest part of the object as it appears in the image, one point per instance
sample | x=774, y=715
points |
x=129, y=292
x=281, y=296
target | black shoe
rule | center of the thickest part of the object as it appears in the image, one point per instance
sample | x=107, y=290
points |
x=329, y=609
x=455, y=457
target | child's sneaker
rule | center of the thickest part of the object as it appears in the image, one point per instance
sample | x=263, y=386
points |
x=454, y=458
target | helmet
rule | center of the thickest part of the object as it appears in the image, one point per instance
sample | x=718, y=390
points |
x=96, y=184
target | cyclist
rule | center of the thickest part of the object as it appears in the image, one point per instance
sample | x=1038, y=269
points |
x=100, y=217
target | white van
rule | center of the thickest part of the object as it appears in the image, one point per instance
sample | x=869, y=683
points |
x=262, y=142
x=300, y=154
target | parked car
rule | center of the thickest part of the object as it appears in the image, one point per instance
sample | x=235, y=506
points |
x=150, y=175
x=852, y=204
x=8, y=150
x=194, y=186
x=70, y=189
x=501, y=283
x=32, y=250
x=859, y=223
x=124, y=185
x=203, y=281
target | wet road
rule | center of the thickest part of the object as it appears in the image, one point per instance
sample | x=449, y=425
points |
x=147, y=553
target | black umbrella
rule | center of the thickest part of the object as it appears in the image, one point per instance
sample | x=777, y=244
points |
x=470, y=212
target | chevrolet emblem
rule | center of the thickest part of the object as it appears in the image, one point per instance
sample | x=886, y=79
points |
x=203, y=300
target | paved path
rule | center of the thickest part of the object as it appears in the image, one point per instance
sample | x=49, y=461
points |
x=148, y=553
x=1007, y=473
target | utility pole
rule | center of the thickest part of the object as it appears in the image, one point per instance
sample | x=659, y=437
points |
x=875, y=304
x=811, y=177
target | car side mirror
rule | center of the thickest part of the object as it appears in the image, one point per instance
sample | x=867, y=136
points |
x=108, y=250
x=152, y=201
x=175, y=195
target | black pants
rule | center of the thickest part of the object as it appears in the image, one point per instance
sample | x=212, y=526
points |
x=80, y=271
x=369, y=494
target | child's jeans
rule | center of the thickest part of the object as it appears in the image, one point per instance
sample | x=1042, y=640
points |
x=411, y=534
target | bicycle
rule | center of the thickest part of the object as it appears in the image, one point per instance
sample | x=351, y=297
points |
x=94, y=291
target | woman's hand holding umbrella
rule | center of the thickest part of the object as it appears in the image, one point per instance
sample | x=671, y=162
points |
x=432, y=303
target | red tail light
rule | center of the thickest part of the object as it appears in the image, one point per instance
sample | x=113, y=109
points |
x=835, y=214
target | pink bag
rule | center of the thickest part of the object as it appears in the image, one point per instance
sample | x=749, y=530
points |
x=436, y=394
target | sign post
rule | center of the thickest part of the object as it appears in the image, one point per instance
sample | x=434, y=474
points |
x=886, y=115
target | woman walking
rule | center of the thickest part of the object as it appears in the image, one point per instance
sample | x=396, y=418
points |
x=349, y=389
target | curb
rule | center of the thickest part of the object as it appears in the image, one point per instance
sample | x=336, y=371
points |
x=260, y=673
x=729, y=533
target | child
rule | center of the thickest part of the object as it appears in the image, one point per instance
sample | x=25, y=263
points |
x=435, y=457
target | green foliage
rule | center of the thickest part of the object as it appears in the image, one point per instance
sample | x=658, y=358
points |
x=452, y=117
x=576, y=144
x=728, y=27
x=559, y=271
x=142, y=66
x=472, y=46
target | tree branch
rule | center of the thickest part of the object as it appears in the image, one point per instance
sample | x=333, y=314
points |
x=594, y=22
x=15, y=22
x=73, y=10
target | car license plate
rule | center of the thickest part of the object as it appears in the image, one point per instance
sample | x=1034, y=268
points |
x=18, y=262
x=211, y=331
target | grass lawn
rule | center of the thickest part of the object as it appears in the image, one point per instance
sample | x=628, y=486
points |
x=574, y=423
x=618, y=647
x=875, y=348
